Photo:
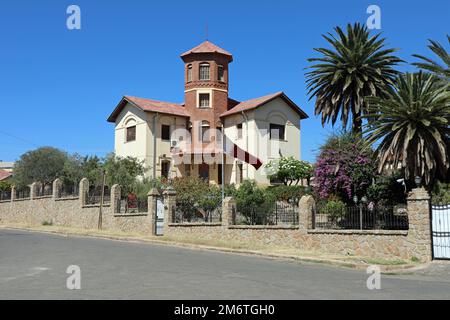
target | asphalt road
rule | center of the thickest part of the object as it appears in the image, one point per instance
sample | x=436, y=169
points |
x=33, y=266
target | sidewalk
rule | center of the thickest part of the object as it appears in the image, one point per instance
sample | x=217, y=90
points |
x=274, y=252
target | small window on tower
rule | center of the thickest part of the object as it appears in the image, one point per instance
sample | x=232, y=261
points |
x=220, y=73
x=131, y=133
x=204, y=100
x=189, y=73
x=204, y=71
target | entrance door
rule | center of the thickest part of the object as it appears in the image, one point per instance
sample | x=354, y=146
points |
x=203, y=171
x=159, y=225
x=440, y=227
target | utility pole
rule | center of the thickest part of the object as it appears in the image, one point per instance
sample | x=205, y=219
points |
x=100, y=213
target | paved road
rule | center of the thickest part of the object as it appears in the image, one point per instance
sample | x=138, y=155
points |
x=33, y=266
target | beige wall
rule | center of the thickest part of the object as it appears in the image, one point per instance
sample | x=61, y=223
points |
x=143, y=147
x=253, y=140
x=257, y=142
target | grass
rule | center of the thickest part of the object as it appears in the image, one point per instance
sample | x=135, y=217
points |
x=385, y=262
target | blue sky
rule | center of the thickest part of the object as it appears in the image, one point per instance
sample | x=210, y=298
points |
x=58, y=86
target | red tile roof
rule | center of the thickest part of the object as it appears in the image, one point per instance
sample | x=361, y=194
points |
x=208, y=47
x=257, y=102
x=149, y=105
x=4, y=175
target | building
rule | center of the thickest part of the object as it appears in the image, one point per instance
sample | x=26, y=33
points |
x=185, y=139
x=7, y=166
x=5, y=175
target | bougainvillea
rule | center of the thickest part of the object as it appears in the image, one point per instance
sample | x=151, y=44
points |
x=344, y=167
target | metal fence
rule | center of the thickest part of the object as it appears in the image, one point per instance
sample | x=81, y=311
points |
x=68, y=191
x=127, y=205
x=213, y=216
x=5, y=195
x=23, y=193
x=281, y=213
x=43, y=190
x=94, y=195
x=361, y=218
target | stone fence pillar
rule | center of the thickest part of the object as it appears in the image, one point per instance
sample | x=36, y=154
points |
x=169, y=206
x=13, y=193
x=115, y=198
x=306, y=209
x=228, y=212
x=152, y=198
x=56, y=187
x=82, y=190
x=419, y=218
x=33, y=190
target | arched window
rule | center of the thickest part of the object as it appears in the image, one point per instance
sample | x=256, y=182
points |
x=204, y=72
x=130, y=131
x=189, y=73
x=205, y=132
x=220, y=76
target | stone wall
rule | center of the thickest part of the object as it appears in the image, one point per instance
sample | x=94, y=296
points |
x=382, y=244
x=72, y=212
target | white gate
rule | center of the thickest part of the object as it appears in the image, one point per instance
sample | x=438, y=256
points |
x=159, y=225
x=440, y=225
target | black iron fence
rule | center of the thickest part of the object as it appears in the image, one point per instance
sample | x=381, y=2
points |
x=361, y=218
x=68, y=191
x=5, y=195
x=23, y=193
x=43, y=189
x=196, y=216
x=132, y=205
x=94, y=195
x=281, y=213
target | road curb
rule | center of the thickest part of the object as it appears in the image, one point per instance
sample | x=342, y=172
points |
x=385, y=269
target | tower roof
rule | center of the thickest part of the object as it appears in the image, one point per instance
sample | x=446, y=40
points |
x=208, y=47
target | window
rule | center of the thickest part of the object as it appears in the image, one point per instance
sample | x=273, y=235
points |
x=204, y=100
x=220, y=73
x=277, y=131
x=131, y=134
x=205, y=131
x=189, y=73
x=204, y=71
x=165, y=167
x=165, y=132
x=203, y=171
x=239, y=130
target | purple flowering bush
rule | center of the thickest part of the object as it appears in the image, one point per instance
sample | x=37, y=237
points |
x=344, y=167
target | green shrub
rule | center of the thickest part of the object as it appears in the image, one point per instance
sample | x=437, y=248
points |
x=441, y=193
x=253, y=202
x=286, y=193
x=335, y=210
x=47, y=223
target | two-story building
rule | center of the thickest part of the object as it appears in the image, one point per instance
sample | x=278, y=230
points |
x=183, y=139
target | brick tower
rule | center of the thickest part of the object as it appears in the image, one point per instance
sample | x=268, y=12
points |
x=206, y=86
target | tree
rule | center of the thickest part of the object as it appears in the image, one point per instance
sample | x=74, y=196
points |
x=191, y=192
x=412, y=125
x=345, y=167
x=123, y=171
x=253, y=202
x=41, y=165
x=289, y=170
x=442, y=71
x=358, y=66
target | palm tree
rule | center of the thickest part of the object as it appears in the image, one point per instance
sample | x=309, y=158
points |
x=412, y=125
x=442, y=71
x=356, y=67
